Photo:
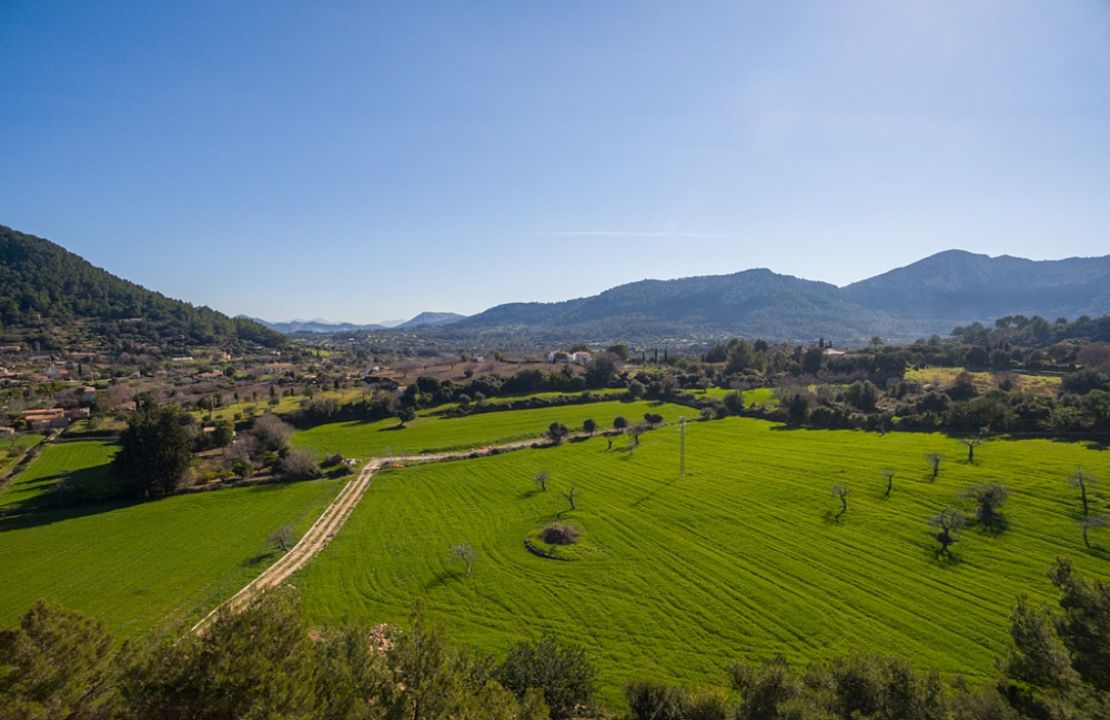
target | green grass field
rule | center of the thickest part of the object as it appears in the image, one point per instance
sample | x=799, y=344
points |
x=84, y=465
x=150, y=566
x=756, y=396
x=738, y=559
x=367, y=439
x=12, y=449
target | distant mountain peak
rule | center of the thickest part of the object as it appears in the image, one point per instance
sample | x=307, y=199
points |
x=432, y=319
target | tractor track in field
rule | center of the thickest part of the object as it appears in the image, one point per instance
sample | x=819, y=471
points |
x=329, y=523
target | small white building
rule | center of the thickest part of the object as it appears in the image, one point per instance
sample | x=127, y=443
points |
x=574, y=358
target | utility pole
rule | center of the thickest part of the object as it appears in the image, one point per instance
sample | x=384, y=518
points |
x=681, y=446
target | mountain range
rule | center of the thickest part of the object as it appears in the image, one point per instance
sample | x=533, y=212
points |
x=930, y=296
x=325, y=327
x=55, y=297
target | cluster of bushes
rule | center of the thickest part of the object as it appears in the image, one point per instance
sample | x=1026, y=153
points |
x=957, y=408
x=314, y=411
x=428, y=391
x=266, y=445
x=157, y=450
x=267, y=663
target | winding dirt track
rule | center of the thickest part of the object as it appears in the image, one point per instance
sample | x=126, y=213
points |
x=331, y=520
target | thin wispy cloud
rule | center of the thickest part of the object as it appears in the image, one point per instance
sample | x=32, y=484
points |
x=630, y=234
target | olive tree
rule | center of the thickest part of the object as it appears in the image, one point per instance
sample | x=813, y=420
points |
x=947, y=522
x=557, y=431
x=988, y=499
x=405, y=415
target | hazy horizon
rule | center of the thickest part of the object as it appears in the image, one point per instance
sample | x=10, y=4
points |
x=356, y=163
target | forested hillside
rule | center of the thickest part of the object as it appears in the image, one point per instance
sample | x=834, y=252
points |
x=50, y=297
x=928, y=297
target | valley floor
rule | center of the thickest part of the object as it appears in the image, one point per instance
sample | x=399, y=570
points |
x=674, y=577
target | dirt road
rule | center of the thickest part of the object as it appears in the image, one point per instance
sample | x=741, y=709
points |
x=331, y=520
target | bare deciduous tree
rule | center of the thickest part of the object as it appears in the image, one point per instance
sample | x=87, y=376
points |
x=570, y=495
x=934, y=461
x=971, y=444
x=283, y=538
x=1084, y=482
x=540, y=478
x=271, y=432
x=299, y=465
x=464, y=553
x=947, y=522
x=841, y=491
x=889, y=475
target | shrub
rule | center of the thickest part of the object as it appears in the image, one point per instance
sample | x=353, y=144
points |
x=299, y=465
x=271, y=432
x=559, y=534
x=558, y=668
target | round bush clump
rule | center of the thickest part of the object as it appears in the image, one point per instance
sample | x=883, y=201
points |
x=559, y=534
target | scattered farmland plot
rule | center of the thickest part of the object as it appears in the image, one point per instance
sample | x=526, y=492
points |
x=12, y=450
x=83, y=466
x=150, y=566
x=739, y=558
x=366, y=439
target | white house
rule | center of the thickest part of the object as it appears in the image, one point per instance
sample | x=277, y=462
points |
x=576, y=358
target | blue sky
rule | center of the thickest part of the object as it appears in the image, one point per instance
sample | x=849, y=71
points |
x=365, y=161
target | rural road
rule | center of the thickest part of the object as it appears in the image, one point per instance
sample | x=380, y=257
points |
x=331, y=520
